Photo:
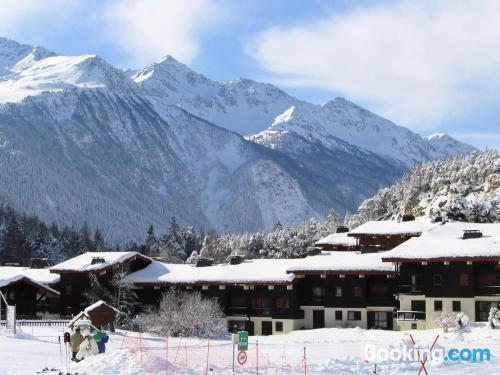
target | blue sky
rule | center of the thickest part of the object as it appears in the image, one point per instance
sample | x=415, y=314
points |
x=428, y=65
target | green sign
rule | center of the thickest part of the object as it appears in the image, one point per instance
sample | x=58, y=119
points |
x=243, y=340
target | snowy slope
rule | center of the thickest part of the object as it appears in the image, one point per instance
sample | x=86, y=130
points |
x=445, y=144
x=250, y=107
x=243, y=106
x=339, y=351
x=341, y=119
x=83, y=141
x=12, y=53
x=465, y=188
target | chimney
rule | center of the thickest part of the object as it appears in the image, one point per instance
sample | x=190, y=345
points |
x=204, y=262
x=236, y=259
x=342, y=229
x=471, y=233
x=97, y=260
x=408, y=217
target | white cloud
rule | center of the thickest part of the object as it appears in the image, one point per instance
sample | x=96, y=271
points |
x=149, y=29
x=415, y=62
x=17, y=17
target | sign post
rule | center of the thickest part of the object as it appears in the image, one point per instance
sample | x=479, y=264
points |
x=240, y=339
x=10, y=321
x=243, y=340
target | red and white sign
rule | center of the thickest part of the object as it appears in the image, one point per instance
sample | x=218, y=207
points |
x=242, y=358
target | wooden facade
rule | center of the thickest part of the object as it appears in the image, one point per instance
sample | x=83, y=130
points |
x=31, y=299
x=73, y=284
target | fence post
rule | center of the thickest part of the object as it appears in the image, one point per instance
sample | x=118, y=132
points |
x=208, y=352
x=257, y=357
x=140, y=344
x=166, y=351
x=123, y=341
x=305, y=362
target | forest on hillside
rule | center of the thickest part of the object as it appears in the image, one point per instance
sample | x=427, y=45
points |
x=465, y=188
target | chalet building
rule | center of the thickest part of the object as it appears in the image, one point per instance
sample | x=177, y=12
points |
x=257, y=295
x=454, y=266
x=385, y=274
x=75, y=275
x=273, y=296
x=339, y=241
x=32, y=291
x=346, y=289
x=386, y=235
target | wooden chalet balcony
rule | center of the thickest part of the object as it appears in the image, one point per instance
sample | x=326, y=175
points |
x=237, y=311
x=409, y=316
x=488, y=290
x=410, y=289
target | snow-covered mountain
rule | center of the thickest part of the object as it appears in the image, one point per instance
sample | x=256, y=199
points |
x=449, y=146
x=261, y=112
x=83, y=141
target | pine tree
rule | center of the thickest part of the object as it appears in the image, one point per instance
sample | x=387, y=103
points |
x=14, y=246
x=98, y=244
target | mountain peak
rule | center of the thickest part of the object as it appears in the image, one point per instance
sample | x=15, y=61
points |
x=13, y=53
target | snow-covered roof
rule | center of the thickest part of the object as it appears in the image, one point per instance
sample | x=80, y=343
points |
x=10, y=275
x=265, y=271
x=249, y=272
x=41, y=275
x=337, y=239
x=343, y=261
x=98, y=304
x=391, y=227
x=445, y=242
x=83, y=262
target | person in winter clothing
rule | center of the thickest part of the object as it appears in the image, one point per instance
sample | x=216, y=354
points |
x=75, y=341
x=101, y=339
x=88, y=347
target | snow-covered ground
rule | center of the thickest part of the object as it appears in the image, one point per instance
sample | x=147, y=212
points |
x=328, y=351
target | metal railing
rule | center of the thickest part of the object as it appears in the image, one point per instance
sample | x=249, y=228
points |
x=40, y=323
x=410, y=316
x=410, y=289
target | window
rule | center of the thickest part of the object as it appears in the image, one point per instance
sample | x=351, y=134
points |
x=381, y=320
x=487, y=279
x=354, y=315
x=463, y=279
x=282, y=303
x=338, y=291
x=257, y=303
x=338, y=315
x=278, y=327
x=67, y=290
x=484, y=309
x=379, y=291
x=358, y=291
x=237, y=301
x=438, y=305
x=437, y=279
x=318, y=293
x=457, y=306
x=417, y=305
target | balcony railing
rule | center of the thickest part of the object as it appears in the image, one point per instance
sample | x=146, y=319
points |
x=237, y=310
x=261, y=311
x=488, y=290
x=410, y=289
x=410, y=316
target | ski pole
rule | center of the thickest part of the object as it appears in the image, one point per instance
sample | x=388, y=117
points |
x=60, y=352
